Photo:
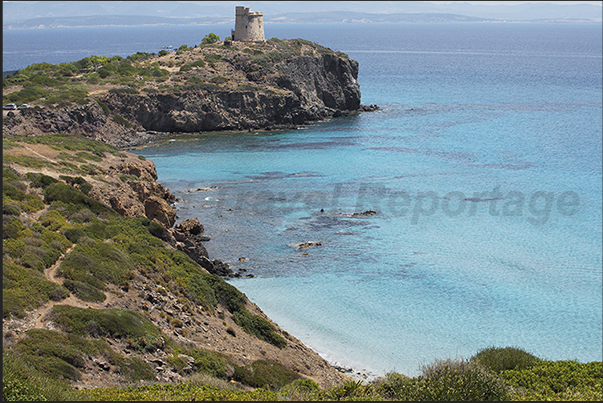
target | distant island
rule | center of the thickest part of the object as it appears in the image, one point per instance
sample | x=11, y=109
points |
x=333, y=17
x=288, y=18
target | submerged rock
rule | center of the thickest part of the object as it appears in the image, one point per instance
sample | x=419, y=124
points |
x=305, y=245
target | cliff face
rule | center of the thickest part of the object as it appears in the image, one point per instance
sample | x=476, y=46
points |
x=278, y=85
x=311, y=88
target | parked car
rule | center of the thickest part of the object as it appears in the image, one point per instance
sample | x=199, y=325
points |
x=10, y=106
x=23, y=106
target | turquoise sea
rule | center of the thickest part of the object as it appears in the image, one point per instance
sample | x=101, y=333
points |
x=483, y=167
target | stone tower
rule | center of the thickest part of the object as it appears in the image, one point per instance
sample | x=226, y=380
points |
x=249, y=26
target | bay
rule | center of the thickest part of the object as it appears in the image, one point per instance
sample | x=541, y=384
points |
x=483, y=167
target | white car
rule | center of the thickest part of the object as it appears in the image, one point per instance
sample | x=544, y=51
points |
x=23, y=106
x=10, y=106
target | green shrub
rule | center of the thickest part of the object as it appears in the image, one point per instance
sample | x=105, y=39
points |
x=557, y=380
x=61, y=356
x=10, y=208
x=209, y=39
x=78, y=182
x=40, y=180
x=84, y=291
x=8, y=173
x=139, y=56
x=259, y=327
x=55, y=240
x=26, y=161
x=53, y=220
x=458, y=380
x=25, y=289
x=22, y=382
x=69, y=195
x=55, y=354
x=114, y=322
x=235, y=302
x=269, y=375
x=209, y=362
x=450, y=380
x=73, y=234
x=180, y=392
x=394, y=386
x=351, y=390
x=72, y=142
x=219, y=80
x=88, y=156
x=301, y=390
x=104, y=107
x=26, y=202
x=503, y=359
x=13, y=247
x=120, y=120
x=213, y=58
x=123, y=91
x=96, y=264
x=12, y=228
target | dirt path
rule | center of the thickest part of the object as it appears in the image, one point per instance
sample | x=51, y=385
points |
x=51, y=272
x=51, y=275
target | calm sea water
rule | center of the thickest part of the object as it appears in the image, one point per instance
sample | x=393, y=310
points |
x=483, y=167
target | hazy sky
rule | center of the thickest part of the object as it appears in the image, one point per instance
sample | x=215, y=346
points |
x=596, y=3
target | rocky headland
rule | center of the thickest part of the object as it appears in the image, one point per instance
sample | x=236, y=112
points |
x=277, y=84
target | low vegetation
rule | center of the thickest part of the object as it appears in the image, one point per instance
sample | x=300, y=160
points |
x=200, y=67
x=443, y=380
x=45, y=218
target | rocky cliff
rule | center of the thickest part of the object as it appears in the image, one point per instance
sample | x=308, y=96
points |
x=226, y=86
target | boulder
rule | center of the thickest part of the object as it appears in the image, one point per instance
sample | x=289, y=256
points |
x=191, y=225
x=157, y=208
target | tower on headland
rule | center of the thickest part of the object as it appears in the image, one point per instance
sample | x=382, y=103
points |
x=249, y=26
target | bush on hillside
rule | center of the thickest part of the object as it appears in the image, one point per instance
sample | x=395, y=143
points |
x=265, y=374
x=69, y=195
x=503, y=359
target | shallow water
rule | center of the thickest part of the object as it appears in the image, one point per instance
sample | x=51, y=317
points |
x=484, y=169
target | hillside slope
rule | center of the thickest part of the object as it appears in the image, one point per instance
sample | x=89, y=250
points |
x=97, y=297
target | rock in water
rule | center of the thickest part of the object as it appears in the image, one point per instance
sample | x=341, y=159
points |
x=192, y=225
